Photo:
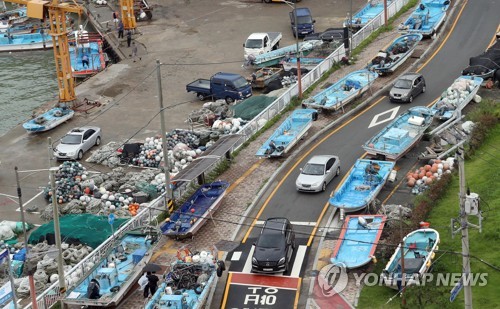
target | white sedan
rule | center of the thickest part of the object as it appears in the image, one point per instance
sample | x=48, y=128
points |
x=76, y=142
x=317, y=173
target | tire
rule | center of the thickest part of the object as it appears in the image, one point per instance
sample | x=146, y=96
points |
x=423, y=89
x=314, y=116
x=229, y=100
x=410, y=99
x=200, y=96
x=323, y=187
x=98, y=141
x=267, y=1
x=149, y=15
x=80, y=155
x=338, y=171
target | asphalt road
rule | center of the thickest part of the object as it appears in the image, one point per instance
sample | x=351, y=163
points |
x=468, y=38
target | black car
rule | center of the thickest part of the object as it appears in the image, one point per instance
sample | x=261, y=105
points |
x=274, y=248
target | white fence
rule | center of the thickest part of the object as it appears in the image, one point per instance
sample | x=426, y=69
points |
x=51, y=294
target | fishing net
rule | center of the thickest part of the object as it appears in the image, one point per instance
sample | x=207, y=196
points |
x=85, y=229
x=251, y=107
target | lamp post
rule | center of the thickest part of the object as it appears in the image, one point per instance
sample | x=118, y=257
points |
x=299, y=77
x=166, y=165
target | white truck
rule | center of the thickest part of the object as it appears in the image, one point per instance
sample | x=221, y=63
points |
x=261, y=42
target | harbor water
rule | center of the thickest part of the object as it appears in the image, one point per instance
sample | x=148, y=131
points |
x=27, y=81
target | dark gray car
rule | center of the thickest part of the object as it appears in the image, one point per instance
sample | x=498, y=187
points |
x=407, y=87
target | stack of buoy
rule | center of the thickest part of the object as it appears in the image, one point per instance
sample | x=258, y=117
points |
x=133, y=209
x=427, y=174
x=458, y=91
x=67, y=180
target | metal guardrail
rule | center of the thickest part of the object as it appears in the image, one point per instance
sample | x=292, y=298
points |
x=51, y=295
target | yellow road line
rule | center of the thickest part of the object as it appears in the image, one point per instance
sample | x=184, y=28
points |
x=446, y=38
x=226, y=292
x=295, y=166
x=245, y=175
x=166, y=248
x=494, y=38
x=297, y=294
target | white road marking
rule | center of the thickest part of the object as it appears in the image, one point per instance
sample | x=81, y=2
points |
x=236, y=256
x=299, y=258
x=393, y=112
x=34, y=197
x=301, y=223
x=248, y=263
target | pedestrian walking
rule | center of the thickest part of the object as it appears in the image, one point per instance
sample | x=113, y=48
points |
x=120, y=30
x=115, y=19
x=152, y=285
x=134, y=52
x=85, y=61
x=129, y=38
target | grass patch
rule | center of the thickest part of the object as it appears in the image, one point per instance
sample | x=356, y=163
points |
x=481, y=172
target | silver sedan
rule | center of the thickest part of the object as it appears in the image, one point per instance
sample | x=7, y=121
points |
x=317, y=173
x=76, y=142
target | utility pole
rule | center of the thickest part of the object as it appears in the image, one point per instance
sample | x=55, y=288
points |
x=402, y=247
x=299, y=73
x=465, y=231
x=11, y=277
x=57, y=230
x=350, y=31
x=385, y=12
x=166, y=164
x=26, y=247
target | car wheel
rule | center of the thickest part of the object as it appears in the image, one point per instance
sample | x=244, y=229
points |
x=80, y=155
x=229, y=100
x=338, y=171
x=98, y=141
x=200, y=96
x=423, y=89
x=323, y=188
x=410, y=99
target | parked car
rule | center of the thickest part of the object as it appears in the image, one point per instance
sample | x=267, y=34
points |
x=274, y=248
x=407, y=87
x=317, y=173
x=305, y=22
x=76, y=142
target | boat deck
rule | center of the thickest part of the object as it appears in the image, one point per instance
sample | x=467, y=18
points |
x=359, y=242
x=26, y=38
x=93, y=52
x=109, y=275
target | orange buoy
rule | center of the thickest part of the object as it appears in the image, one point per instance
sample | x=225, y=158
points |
x=428, y=174
x=427, y=167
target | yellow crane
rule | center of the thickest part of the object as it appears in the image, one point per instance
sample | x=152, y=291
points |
x=59, y=32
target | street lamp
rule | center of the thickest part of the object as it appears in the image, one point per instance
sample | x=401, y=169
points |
x=299, y=77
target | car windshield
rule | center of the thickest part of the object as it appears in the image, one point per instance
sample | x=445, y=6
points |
x=71, y=139
x=403, y=84
x=304, y=20
x=240, y=82
x=313, y=169
x=253, y=43
x=271, y=240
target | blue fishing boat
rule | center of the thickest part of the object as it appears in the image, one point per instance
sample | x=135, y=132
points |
x=288, y=133
x=189, y=281
x=274, y=57
x=305, y=63
x=116, y=272
x=342, y=92
x=388, y=60
x=25, y=41
x=49, y=120
x=456, y=97
x=404, y=132
x=372, y=9
x=358, y=240
x=426, y=18
x=15, y=16
x=89, y=45
x=418, y=251
x=197, y=209
x=364, y=182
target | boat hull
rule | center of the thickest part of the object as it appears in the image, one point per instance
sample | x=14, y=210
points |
x=274, y=57
x=288, y=133
x=450, y=111
x=419, y=251
x=305, y=63
x=193, y=214
x=371, y=10
x=393, y=61
x=24, y=42
x=401, y=135
x=50, y=120
x=426, y=18
x=357, y=242
x=362, y=185
x=93, y=49
x=263, y=77
x=342, y=92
